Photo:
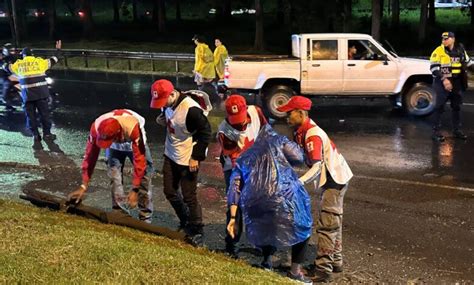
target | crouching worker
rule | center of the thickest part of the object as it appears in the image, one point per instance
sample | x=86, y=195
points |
x=275, y=206
x=122, y=133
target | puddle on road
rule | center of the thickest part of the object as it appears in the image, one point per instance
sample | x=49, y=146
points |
x=11, y=184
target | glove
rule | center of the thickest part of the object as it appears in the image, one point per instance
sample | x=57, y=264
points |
x=133, y=198
x=77, y=196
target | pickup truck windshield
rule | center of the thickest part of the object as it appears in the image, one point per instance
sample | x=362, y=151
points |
x=363, y=50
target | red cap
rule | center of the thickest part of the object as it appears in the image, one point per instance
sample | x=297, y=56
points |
x=107, y=132
x=160, y=91
x=296, y=102
x=236, y=109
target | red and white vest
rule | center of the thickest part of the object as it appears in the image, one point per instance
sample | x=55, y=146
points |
x=332, y=160
x=244, y=139
x=127, y=119
x=179, y=141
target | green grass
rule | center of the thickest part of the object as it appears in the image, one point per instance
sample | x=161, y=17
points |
x=40, y=246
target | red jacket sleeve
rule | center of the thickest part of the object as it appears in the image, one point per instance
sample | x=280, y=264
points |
x=139, y=159
x=313, y=148
x=90, y=157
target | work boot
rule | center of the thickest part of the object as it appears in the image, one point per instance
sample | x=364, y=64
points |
x=182, y=227
x=36, y=138
x=49, y=137
x=438, y=137
x=321, y=276
x=267, y=263
x=300, y=278
x=337, y=268
x=232, y=250
x=196, y=240
x=458, y=134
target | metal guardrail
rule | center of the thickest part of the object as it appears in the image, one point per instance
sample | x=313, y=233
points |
x=107, y=55
x=146, y=56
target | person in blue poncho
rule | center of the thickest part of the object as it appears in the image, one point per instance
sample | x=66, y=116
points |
x=275, y=206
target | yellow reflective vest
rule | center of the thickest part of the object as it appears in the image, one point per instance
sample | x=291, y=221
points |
x=31, y=72
x=446, y=63
x=204, y=61
x=220, y=55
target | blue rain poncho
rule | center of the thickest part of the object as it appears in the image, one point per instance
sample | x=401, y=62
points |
x=276, y=207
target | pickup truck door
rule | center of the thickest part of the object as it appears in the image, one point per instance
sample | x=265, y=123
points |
x=367, y=71
x=321, y=69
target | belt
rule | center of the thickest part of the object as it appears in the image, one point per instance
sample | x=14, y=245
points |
x=26, y=86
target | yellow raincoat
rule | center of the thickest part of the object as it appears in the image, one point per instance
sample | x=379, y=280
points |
x=220, y=55
x=204, y=62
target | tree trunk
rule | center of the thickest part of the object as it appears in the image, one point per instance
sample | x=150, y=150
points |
x=395, y=13
x=227, y=10
x=259, y=45
x=21, y=20
x=87, y=18
x=159, y=15
x=116, y=11
x=423, y=21
x=52, y=19
x=376, y=19
x=381, y=9
x=348, y=9
x=178, y=10
x=472, y=14
x=154, y=14
x=134, y=11
x=14, y=22
x=431, y=12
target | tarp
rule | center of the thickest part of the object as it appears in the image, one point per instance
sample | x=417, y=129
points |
x=275, y=205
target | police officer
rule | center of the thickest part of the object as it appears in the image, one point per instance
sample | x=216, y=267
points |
x=34, y=90
x=9, y=56
x=448, y=66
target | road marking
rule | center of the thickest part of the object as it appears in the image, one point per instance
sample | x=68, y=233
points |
x=416, y=183
x=468, y=104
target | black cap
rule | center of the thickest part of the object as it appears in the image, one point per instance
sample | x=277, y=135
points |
x=446, y=35
x=26, y=52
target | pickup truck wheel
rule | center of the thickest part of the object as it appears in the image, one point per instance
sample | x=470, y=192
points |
x=420, y=100
x=275, y=97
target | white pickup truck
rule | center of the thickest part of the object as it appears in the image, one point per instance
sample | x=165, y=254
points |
x=334, y=65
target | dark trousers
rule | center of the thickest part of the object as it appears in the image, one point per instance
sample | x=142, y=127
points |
x=455, y=96
x=6, y=85
x=298, y=251
x=230, y=242
x=185, y=202
x=31, y=108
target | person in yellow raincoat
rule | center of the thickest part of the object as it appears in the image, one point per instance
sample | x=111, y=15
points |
x=220, y=55
x=204, y=71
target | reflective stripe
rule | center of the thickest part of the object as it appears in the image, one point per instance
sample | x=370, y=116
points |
x=26, y=86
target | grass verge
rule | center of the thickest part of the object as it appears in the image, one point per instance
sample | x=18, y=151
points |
x=41, y=246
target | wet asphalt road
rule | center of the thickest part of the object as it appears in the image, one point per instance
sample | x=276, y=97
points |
x=408, y=212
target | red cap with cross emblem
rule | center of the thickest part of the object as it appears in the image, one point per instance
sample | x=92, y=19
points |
x=236, y=109
x=107, y=132
x=160, y=91
x=296, y=102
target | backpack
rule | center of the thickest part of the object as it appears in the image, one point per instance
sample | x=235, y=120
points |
x=201, y=98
